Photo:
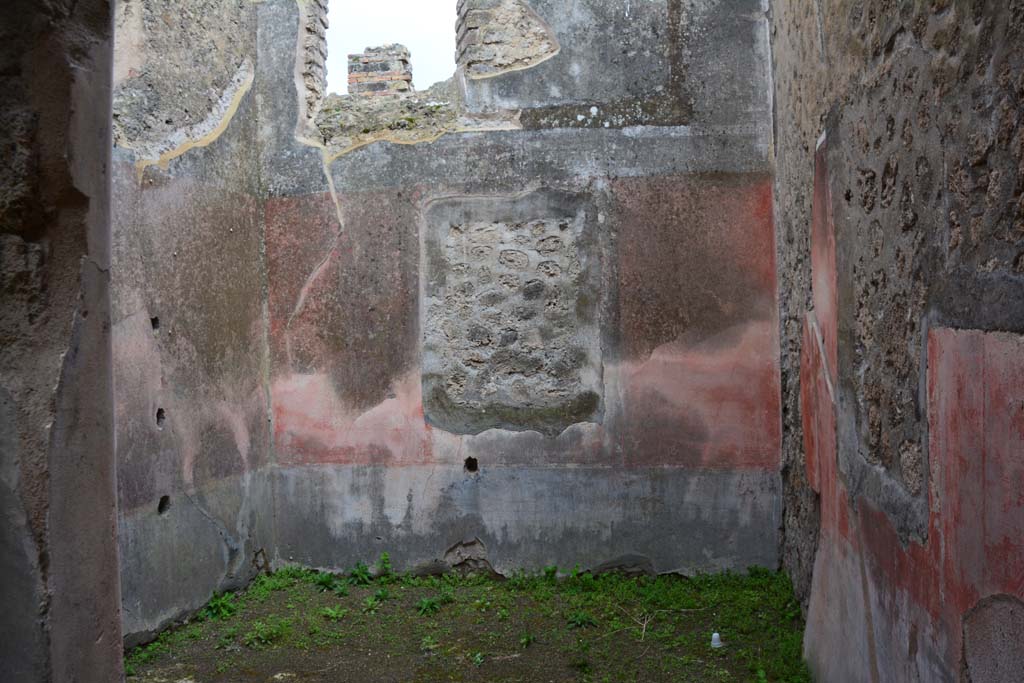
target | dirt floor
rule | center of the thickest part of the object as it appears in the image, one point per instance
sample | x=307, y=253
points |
x=372, y=625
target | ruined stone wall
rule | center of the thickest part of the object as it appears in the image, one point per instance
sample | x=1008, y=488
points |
x=547, y=336
x=58, y=553
x=188, y=287
x=901, y=227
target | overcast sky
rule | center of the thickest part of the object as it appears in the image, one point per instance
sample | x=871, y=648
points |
x=426, y=27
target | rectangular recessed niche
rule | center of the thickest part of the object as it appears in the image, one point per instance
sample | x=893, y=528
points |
x=511, y=336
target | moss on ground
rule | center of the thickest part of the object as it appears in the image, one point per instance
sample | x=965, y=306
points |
x=303, y=625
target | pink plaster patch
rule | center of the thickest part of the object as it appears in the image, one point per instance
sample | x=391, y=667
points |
x=976, y=420
x=712, y=405
x=300, y=233
x=313, y=426
x=975, y=545
x=817, y=409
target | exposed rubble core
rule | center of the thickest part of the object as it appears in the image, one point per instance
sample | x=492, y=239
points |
x=347, y=122
x=510, y=338
x=160, y=87
x=496, y=36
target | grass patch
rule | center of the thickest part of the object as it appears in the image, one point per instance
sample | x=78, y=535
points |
x=376, y=625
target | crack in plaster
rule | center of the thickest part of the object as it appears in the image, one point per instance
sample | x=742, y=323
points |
x=385, y=136
x=306, y=286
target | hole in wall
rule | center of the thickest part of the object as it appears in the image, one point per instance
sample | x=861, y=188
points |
x=164, y=505
x=161, y=417
x=155, y=322
x=471, y=465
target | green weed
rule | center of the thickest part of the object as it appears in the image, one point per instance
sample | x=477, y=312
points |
x=266, y=633
x=384, y=565
x=147, y=653
x=226, y=639
x=326, y=581
x=221, y=606
x=581, y=619
x=360, y=575
x=427, y=606
x=669, y=617
x=264, y=584
x=333, y=613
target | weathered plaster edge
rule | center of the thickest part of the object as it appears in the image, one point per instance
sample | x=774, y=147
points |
x=220, y=119
x=523, y=67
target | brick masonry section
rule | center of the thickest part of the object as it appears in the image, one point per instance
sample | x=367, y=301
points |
x=383, y=70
